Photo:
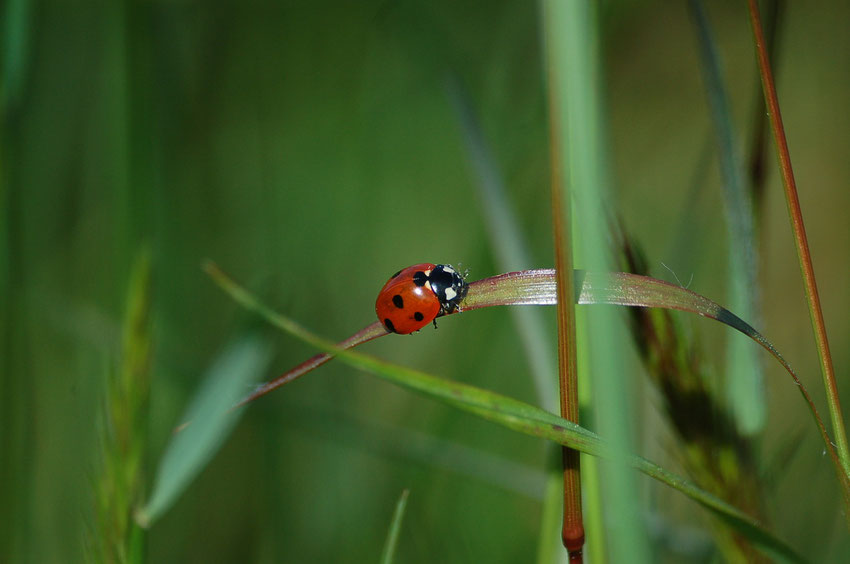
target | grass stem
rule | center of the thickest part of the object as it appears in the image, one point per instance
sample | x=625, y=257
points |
x=802, y=244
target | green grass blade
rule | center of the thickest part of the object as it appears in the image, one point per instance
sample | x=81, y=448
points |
x=515, y=415
x=388, y=554
x=211, y=418
x=537, y=287
x=577, y=91
x=744, y=385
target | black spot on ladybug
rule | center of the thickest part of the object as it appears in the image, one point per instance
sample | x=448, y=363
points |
x=396, y=274
x=389, y=325
x=418, y=316
x=398, y=301
x=420, y=278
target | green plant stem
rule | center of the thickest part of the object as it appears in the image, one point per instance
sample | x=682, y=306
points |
x=572, y=531
x=803, y=254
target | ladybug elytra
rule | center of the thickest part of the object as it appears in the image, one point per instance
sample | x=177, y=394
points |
x=414, y=297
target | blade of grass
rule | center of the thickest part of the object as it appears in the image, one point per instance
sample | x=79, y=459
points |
x=212, y=420
x=803, y=253
x=572, y=531
x=574, y=64
x=515, y=415
x=388, y=554
x=537, y=287
x=745, y=387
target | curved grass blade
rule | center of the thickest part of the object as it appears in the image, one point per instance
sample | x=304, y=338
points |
x=633, y=290
x=537, y=287
x=212, y=420
x=388, y=554
x=518, y=416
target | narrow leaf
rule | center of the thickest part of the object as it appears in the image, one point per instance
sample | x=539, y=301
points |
x=212, y=420
x=537, y=287
x=745, y=389
x=388, y=555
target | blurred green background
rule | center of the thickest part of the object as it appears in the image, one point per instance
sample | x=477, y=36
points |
x=311, y=150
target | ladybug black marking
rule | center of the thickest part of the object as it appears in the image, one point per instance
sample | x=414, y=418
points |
x=398, y=301
x=418, y=316
x=449, y=287
x=389, y=325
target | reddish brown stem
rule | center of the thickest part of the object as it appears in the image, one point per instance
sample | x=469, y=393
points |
x=803, y=253
x=572, y=533
x=373, y=331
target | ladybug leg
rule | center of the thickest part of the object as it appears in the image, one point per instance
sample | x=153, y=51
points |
x=435, y=323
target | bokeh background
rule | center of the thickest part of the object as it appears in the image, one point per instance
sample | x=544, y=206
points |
x=311, y=149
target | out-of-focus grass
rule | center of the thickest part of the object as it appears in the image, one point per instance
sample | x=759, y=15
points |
x=119, y=479
x=308, y=148
x=388, y=554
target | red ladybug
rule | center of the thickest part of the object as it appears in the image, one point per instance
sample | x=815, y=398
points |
x=414, y=297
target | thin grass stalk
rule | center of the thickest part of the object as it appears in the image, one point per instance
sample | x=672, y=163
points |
x=758, y=143
x=574, y=61
x=388, y=554
x=802, y=244
x=572, y=532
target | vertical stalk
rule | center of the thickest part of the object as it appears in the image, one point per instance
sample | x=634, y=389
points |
x=802, y=244
x=572, y=532
x=577, y=93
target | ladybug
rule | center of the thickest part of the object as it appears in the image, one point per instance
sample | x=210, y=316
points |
x=414, y=297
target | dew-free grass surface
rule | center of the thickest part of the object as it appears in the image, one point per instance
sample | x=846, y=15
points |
x=311, y=151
